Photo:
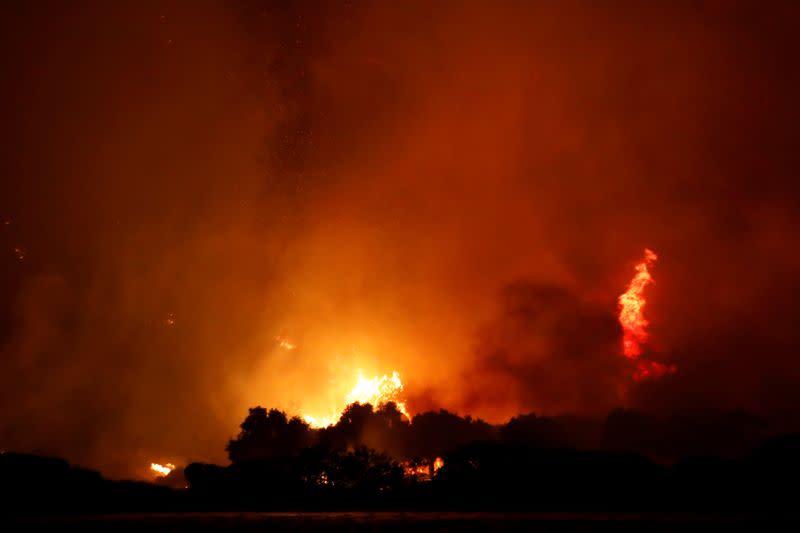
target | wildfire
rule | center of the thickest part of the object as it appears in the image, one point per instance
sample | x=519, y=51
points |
x=376, y=391
x=162, y=470
x=634, y=324
x=631, y=308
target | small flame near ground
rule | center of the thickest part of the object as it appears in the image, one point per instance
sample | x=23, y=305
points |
x=376, y=391
x=634, y=324
x=422, y=471
x=162, y=470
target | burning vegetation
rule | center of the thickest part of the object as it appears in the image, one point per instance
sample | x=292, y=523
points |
x=162, y=470
x=372, y=425
x=380, y=391
x=377, y=391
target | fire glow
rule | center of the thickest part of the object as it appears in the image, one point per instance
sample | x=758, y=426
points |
x=162, y=470
x=376, y=391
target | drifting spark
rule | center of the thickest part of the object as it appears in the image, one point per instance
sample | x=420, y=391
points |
x=285, y=343
x=19, y=252
x=163, y=470
x=652, y=370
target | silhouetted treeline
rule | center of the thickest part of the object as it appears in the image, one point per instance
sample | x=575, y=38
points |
x=268, y=434
x=375, y=459
x=44, y=485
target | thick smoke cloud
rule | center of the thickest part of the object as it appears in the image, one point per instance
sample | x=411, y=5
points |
x=552, y=352
x=189, y=181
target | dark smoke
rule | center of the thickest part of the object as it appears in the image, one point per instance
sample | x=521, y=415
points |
x=551, y=351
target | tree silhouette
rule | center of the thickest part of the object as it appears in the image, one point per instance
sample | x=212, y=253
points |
x=363, y=468
x=269, y=434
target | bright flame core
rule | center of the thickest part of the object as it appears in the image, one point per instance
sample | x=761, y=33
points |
x=163, y=470
x=376, y=391
x=631, y=308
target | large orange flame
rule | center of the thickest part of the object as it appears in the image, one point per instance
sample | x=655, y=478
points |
x=634, y=324
x=631, y=308
x=376, y=391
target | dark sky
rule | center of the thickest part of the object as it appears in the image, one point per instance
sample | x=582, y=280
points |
x=455, y=190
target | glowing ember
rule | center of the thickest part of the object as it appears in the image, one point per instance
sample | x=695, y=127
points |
x=631, y=308
x=162, y=470
x=437, y=464
x=376, y=391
